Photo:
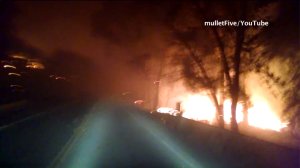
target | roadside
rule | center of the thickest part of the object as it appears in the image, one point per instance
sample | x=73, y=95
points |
x=229, y=148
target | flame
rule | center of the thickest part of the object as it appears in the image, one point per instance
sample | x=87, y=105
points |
x=227, y=112
x=200, y=107
x=261, y=115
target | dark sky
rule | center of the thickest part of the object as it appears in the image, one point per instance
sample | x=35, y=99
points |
x=52, y=25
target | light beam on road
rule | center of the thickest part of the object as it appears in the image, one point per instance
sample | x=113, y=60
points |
x=100, y=136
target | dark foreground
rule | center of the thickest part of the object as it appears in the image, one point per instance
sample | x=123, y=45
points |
x=104, y=135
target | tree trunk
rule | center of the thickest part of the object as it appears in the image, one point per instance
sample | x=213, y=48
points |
x=219, y=110
x=234, y=125
x=235, y=89
x=235, y=82
x=222, y=94
x=207, y=81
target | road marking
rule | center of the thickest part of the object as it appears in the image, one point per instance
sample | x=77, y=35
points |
x=20, y=121
x=47, y=110
x=60, y=158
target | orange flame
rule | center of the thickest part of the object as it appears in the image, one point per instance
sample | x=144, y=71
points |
x=199, y=107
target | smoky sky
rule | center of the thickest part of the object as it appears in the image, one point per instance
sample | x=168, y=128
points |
x=116, y=36
x=52, y=25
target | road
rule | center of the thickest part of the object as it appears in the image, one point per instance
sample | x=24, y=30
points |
x=35, y=140
x=101, y=135
x=81, y=135
x=122, y=137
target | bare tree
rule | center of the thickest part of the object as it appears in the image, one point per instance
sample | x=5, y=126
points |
x=232, y=45
x=200, y=65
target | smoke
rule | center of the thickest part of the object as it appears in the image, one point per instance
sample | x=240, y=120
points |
x=135, y=34
x=118, y=37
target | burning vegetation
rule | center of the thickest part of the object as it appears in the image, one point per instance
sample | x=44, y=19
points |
x=227, y=73
x=230, y=75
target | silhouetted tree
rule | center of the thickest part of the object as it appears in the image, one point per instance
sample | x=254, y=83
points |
x=281, y=42
x=230, y=46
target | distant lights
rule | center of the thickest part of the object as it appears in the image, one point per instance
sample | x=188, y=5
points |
x=9, y=66
x=60, y=78
x=13, y=74
x=139, y=102
x=19, y=57
x=33, y=64
x=57, y=77
x=18, y=86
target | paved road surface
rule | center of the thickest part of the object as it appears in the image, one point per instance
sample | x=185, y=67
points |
x=122, y=137
x=102, y=135
x=35, y=140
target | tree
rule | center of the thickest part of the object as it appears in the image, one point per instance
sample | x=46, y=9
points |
x=232, y=45
x=281, y=43
x=200, y=67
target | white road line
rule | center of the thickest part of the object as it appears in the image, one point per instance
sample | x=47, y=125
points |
x=28, y=118
x=20, y=121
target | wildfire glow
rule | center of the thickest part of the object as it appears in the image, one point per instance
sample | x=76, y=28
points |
x=227, y=112
x=199, y=107
x=260, y=115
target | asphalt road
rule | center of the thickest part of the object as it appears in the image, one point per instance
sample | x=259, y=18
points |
x=107, y=135
x=34, y=140
x=122, y=136
x=87, y=136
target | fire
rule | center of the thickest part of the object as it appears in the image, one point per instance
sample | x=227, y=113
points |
x=227, y=112
x=261, y=115
x=200, y=107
